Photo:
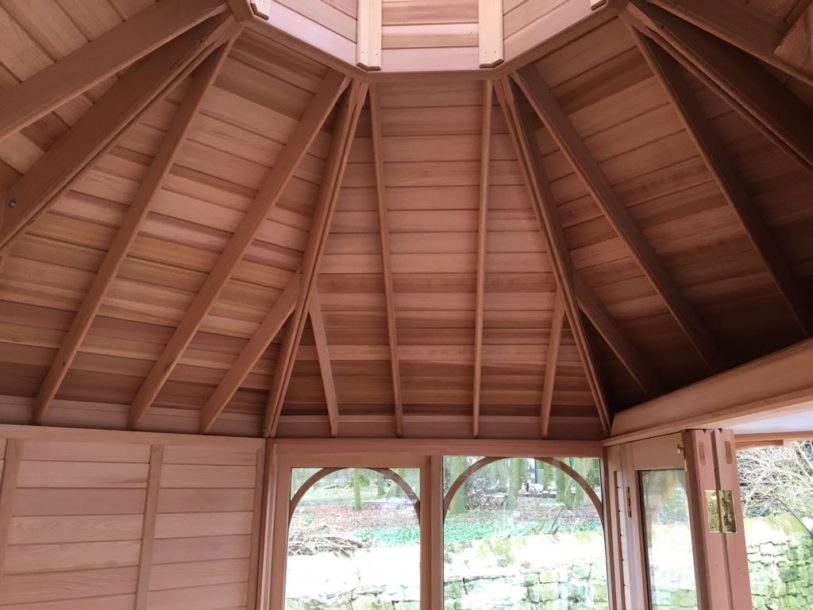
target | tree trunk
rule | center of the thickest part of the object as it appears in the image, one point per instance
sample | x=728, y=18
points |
x=356, y=478
x=517, y=476
x=457, y=464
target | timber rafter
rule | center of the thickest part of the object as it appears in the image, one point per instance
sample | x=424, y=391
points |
x=326, y=205
x=267, y=197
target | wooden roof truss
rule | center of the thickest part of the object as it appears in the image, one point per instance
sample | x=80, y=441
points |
x=173, y=39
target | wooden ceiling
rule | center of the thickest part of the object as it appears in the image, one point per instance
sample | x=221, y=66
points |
x=203, y=229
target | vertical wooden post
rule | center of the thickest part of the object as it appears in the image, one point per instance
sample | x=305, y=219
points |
x=368, y=34
x=279, y=538
x=267, y=530
x=610, y=474
x=709, y=559
x=148, y=528
x=434, y=571
x=8, y=485
x=490, y=28
x=257, y=529
x=734, y=547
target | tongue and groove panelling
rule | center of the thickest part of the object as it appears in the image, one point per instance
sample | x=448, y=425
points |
x=106, y=523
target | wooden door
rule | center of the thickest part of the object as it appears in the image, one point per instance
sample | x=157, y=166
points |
x=675, y=506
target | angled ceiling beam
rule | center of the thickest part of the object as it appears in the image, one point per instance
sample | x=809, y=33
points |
x=331, y=185
x=386, y=258
x=774, y=385
x=101, y=58
x=323, y=356
x=542, y=198
x=668, y=72
x=143, y=85
x=742, y=25
x=557, y=324
x=570, y=143
x=479, y=305
x=136, y=213
x=266, y=199
x=266, y=332
x=750, y=89
x=629, y=356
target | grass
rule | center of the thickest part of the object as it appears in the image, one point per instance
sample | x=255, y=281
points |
x=469, y=531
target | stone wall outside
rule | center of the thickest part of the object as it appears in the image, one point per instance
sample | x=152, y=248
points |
x=780, y=557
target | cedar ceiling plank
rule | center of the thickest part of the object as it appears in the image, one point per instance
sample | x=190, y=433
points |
x=541, y=195
x=136, y=213
x=244, y=363
x=142, y=86
x=668, y=72
x=323, y=355
x=570, y=143
x=485, y=157
x=332, y=178
x=635, y=364
x=266, y=199
x=737, y=77
x=551, y=360
x=101, y=58
x=386, y=257
x=742, y=25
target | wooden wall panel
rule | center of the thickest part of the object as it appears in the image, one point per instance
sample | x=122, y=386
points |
x=126, y=521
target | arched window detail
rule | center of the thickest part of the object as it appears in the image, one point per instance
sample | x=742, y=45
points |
x=523, y=533
x=556, y=463
x=353, y=538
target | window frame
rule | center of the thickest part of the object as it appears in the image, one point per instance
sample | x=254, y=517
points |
x=427, y=456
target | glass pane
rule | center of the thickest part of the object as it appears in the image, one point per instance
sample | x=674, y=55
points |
x=668, y=538
x=777, y=497
x=520, y=533
x=354, y=541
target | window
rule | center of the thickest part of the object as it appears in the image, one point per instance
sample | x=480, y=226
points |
x=523, y=533
x=777, y=497
x=354, y=539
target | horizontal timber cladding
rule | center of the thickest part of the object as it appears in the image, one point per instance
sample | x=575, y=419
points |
x=526, y=22
x=429, y=35
x=107, y=520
